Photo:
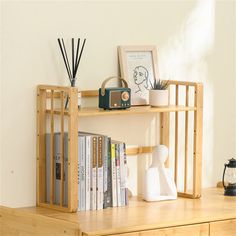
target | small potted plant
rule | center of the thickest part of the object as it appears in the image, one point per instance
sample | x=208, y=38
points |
x=158, y=94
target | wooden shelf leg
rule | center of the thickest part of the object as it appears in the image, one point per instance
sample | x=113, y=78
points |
x=197, y=171
x=73, y=150
x=186, y=141
x=165, y=117
x=41, y=152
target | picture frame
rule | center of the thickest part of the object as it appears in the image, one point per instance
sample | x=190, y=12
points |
x=138, y=66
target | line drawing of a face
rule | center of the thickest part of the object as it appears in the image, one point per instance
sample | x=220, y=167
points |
x=140, y=77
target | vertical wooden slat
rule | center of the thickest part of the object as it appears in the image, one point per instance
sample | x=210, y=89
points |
x=52, y=169
x=197, y=173
x=186, y=141
x=41, y=152
x=165, y=116
x=62, y=149
x=73, y=150
x=176, y=133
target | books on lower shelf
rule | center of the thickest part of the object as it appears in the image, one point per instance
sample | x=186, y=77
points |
x=102, y=171
x=57, y=168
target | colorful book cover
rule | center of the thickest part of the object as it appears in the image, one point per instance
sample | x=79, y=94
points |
x=88, y=152
x=93, y=197
x=109, y=174
x=125, y=174
x=107, y=185
x=100, y=173
x=122, y=174
x=113, y=174
x=118, y=177
x=79, y=173
x=82, y=188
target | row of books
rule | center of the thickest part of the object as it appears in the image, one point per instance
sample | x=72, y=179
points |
x=102, y=171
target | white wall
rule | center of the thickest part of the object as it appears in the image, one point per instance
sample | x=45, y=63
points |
x=1, y=154
x=191, y=46
x=224, y=55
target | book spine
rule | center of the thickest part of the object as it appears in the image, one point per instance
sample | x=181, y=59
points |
x=79, y=173
x=48, y=166
x=82, y=170
x=105, y=173
x=122, y=174
x=57, y=167
x=88, y=171
x=113, y=175
x=65, y=202
x=117, y=158
x=109, y=174
x=125, y=174
x=93, y=198
x=100, y=174
x=57, y=164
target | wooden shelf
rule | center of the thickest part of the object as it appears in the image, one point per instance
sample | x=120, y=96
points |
x=51, y=117
x=94, y=111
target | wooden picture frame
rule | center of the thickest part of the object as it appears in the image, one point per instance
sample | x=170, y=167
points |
x=138, y=65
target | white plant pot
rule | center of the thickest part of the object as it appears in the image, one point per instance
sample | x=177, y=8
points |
x=158, y=98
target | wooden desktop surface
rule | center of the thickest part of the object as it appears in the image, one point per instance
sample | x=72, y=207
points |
x=141, y=215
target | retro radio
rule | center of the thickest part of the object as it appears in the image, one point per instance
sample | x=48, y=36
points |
x=115, y=97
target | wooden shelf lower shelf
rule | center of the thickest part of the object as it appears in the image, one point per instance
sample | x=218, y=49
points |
x=94, y=111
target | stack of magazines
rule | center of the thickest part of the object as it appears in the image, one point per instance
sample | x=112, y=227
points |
x=102, y=171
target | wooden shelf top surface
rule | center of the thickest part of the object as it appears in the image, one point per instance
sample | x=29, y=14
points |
x=94, y=111
x=140, y=215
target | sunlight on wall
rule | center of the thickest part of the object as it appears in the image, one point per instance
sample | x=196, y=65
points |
x=184, y=58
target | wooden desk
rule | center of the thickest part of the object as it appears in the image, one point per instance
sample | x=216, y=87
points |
x=213, y=214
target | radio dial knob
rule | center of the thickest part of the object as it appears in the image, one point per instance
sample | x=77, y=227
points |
x=125, y=96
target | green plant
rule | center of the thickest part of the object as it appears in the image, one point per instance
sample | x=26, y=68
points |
x=159, y=84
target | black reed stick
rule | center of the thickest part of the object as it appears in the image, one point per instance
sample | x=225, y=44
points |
x=73, y=62
x=70, y=75
x=63, y=55
x=77, y=52
x=81, y=52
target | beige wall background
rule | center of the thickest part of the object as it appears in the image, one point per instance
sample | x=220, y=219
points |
x=195, y=41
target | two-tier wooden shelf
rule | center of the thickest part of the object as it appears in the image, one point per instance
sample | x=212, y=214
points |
x=51, y=111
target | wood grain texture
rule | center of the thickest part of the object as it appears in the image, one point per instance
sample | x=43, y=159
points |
x=89, y=93
x=73, y=151
x=184, y=83
x=197, y=155
x=223, y=228
x=94, y=111
x=139, y=150
x=191, y=230
x=41, y=160
x=176, y=136
x=143, y=216
x=62, y=148
x=186, y=140
x=128, y=234
x=165, y=134
x=15, y=222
